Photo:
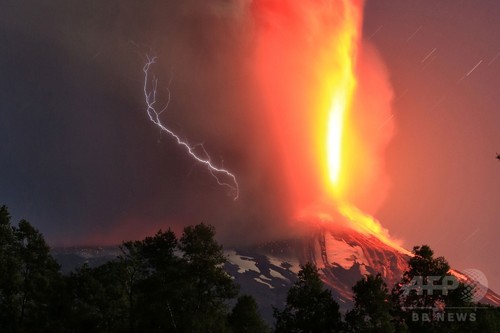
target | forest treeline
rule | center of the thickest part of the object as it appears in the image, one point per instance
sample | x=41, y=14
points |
x=168, y=284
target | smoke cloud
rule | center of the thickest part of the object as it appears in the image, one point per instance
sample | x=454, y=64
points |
x=374, y=127
x=244, y=79
x=299, y=55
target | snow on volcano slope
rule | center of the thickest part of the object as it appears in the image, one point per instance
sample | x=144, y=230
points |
x=343, y=257
x=267, y=271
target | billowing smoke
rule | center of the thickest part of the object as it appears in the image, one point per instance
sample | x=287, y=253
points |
x=374, y=127
x=248, y=78
x=303, y=50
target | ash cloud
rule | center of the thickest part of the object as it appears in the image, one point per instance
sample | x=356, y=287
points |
x=373, y=121
x=84, y=163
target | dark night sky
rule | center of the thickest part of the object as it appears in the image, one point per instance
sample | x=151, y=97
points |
x=82, y=162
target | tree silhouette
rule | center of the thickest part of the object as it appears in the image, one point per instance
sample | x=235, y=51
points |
x=29, y=278
x=309, y=306
x=419, y=307
x=372, y=306
x=165, y=284
x=208, y=285
x=245, y=317
x=154, y=281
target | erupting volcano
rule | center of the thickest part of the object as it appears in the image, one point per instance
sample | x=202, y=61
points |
x=328, y=101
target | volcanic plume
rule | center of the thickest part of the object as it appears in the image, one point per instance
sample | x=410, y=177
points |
x=289, y=98
x=328, y=104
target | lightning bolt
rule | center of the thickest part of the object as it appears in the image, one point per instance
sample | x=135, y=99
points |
x=150, y=89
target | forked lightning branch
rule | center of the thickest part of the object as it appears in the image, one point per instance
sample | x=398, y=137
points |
x=197, y=152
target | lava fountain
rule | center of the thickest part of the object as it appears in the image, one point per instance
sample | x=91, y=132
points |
x=328, y=109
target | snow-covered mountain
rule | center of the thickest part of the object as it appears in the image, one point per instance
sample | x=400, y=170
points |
x=343, y=256
x=266, y=271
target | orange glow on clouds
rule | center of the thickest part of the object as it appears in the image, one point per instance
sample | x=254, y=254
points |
x=327, y=101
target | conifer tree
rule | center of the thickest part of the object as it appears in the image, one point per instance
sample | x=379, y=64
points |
x=245, y=317
x=309, y=306
x=372, y=306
